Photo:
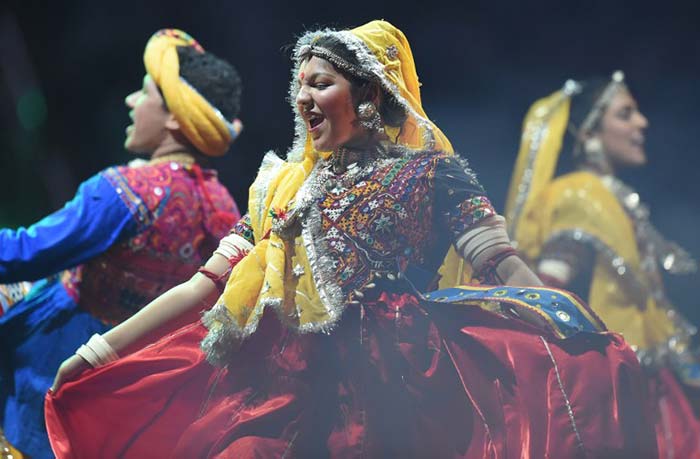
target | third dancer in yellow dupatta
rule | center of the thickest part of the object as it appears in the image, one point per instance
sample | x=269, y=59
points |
x=589, y=232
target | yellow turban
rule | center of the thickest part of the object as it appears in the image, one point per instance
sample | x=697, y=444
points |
x=201, y=122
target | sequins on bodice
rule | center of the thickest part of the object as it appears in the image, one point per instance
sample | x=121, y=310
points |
x=172, y=241
x=396, y=212
x=379, y=217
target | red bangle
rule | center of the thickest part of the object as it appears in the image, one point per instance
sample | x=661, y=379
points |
x=488, y=273
x=237, y=257
x=219, y=281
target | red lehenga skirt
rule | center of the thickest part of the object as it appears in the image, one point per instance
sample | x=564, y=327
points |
x=396, y=378
x=677, y=426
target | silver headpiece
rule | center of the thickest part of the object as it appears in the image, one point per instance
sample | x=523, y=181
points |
x=330, y=56
x=617, y=82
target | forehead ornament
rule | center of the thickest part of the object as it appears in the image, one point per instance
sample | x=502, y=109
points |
x=328, y=55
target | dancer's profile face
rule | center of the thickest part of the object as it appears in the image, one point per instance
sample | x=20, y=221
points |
x=325, y=103
x=149, y=117
x=621, y=131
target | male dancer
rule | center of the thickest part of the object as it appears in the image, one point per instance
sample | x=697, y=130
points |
x=129, y=234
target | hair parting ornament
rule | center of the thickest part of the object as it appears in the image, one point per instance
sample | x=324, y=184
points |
x=617, y=83
x=592, y=147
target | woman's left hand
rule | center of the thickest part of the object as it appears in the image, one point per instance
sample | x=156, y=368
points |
x=69, y=369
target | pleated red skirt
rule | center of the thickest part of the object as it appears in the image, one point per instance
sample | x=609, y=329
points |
x=396, y=378
x=677, y=426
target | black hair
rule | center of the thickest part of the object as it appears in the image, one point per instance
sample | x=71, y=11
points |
x=392, y=113
x=214, y=78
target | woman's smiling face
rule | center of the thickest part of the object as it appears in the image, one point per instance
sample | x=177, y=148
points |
x=325, y=103
x=622, y=131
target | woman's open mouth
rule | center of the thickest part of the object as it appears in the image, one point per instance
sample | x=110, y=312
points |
x=314, y=121
x=638, y=141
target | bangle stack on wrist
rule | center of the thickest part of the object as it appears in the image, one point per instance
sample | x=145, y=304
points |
x=97, y=351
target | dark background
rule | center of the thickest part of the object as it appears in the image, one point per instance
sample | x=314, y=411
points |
x=66, y=66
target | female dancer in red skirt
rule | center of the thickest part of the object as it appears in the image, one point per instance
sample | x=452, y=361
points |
x=321, y=344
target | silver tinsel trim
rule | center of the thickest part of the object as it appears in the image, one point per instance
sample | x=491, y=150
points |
x=322, y=271
x=615, y=262
x=677, y=346
x=669, y=255
x=224, y=336
x=537, y=130
x=269, y=167
x=567, y=403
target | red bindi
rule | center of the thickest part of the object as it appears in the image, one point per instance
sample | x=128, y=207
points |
x=301, y=75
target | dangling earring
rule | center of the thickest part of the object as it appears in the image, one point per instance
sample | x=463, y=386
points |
x=593, y=146
x=369, y=117
x=594, y=154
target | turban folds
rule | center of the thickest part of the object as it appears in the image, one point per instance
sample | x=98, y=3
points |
x=201, y=122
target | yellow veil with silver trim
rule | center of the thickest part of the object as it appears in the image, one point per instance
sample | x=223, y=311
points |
x=291, y=274
x=542, y=137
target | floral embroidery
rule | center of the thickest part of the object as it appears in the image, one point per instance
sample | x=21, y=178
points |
x=387, y=219
x=244, y=229
x=468, y=212
x=171, y=244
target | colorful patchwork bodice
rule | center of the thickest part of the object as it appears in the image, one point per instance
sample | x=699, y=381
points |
x=399, y=214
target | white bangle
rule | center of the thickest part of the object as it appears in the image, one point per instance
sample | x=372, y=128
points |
x=483, y=241
x=88, y=355
x=232, y=245
x=97, y=351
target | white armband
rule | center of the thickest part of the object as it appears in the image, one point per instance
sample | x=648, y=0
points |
x=97, y=351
